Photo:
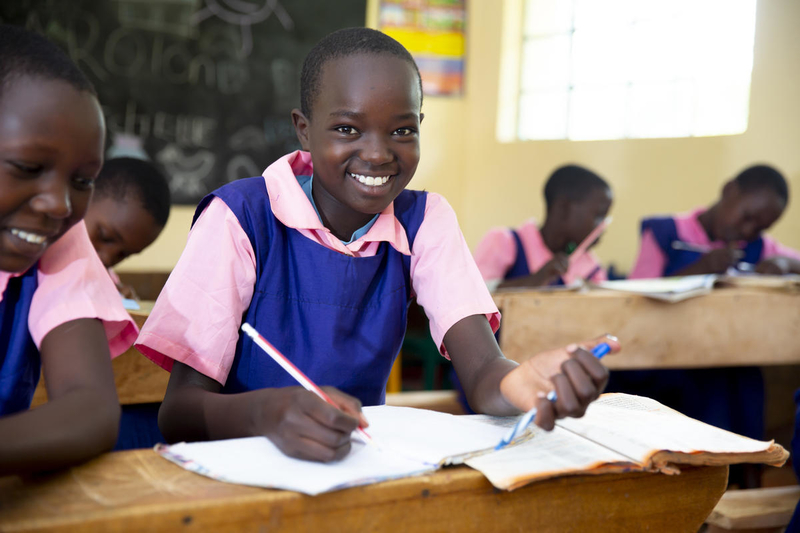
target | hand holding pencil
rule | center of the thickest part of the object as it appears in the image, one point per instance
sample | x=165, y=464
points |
x=307, y=422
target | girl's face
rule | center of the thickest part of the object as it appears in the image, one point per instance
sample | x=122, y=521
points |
x=51, y=149
x=587, y=214
x=744, y=215
x=364, y=135
x=119, y=229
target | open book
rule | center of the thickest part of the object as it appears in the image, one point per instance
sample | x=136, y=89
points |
x=665, y=289
x=677, y=289
x=618, y=433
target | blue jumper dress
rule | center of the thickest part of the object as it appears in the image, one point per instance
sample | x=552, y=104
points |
x=730, y=398
x=20, y=364
x=339, y=319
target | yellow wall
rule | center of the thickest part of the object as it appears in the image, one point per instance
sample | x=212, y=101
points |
x=491, y=183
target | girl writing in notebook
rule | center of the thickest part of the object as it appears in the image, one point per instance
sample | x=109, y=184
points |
x=727, y=234
x=321, y=255
x=578, y=200
x=59, y=310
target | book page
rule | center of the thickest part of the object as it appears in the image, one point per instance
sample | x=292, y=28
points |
x=639, y=427
x=546, y=454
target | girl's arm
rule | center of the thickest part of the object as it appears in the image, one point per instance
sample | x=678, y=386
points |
x=81, y=418
x=495, y=385
x=297, y=421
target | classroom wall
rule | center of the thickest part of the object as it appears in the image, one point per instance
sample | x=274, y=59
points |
x=491, y=183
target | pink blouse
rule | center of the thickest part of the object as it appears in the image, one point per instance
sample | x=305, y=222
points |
x=74, y=284
x=197, y=316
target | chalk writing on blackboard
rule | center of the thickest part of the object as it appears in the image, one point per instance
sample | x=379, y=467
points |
x=206, y=85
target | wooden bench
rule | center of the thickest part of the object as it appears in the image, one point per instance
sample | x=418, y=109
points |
x=754, y=510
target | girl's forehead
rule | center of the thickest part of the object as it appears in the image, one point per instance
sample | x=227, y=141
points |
x=357, y=77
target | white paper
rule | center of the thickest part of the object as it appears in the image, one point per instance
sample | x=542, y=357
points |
x=408, y=442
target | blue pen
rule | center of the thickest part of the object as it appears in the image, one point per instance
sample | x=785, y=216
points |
x=598, y=351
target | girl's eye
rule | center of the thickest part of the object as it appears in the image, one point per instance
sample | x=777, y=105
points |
x=404, y=132
x=83, y=183
x=347, y=130
x=31, y=170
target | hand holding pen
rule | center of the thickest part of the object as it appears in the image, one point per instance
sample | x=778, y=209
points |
x=576, y=376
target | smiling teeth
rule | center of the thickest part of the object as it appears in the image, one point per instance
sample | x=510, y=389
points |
x=32, y=238
x=372, y=181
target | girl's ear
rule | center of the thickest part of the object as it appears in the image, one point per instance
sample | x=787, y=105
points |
x=301, y=127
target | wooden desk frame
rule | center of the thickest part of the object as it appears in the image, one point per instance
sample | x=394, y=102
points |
x=729, y=327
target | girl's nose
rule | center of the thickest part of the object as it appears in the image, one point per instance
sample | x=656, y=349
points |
x=54, y=199
x=377, y=152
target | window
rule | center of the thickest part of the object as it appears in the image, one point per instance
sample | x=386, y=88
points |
x=613, y=69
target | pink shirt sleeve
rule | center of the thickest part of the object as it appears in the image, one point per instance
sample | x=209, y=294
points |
x=651, y=260
x=197, y=316
x=495, y=253
x=773, y=248
x=599, y=272
x=74, y=284
x=444, y=275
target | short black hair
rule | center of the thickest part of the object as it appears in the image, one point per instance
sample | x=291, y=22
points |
x=763, y=177
x=343, y=43
x=124, y=177
x=573, y=182
x=25, y=53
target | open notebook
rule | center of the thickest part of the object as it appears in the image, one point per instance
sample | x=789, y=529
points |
x=618, y=433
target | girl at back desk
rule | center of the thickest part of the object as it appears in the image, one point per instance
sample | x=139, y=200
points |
x=59, y=311
x=729, y=233
x=577, y=201
x=322, y=255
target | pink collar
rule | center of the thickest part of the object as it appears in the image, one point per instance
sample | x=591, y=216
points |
x=292, y=208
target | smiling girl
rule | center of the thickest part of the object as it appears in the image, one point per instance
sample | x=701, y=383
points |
x=59, y=311
x=322, y=255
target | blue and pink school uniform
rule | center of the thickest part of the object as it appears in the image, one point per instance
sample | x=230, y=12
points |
x=67, y=283
x=258, y=252
x=505, y=253
x=657, y=257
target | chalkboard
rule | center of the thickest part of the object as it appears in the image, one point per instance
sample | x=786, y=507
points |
x=207, y=86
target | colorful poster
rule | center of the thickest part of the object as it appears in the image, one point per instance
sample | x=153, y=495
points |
x=433, y=31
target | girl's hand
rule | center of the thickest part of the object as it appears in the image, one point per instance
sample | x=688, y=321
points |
x=778, y=266
x=718, y=261
x=551, y=271
x=305, y=426
x=573, y=372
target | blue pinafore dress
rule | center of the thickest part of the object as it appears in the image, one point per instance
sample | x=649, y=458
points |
x=20, y=364
x=340, y=319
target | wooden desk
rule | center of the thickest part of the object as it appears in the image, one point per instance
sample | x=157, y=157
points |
x=138, y=379
x=139, y=491
x=729, y=327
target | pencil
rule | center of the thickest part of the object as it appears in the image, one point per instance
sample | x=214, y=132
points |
x=295, y=372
